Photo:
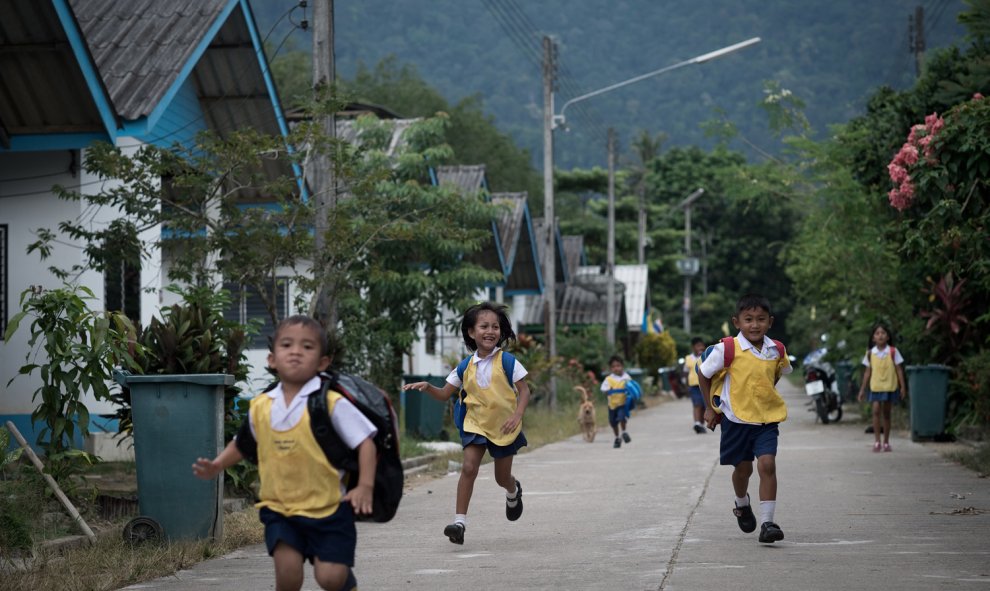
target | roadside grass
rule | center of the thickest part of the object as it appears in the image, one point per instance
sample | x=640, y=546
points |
x=111, y=563
x=976, y=459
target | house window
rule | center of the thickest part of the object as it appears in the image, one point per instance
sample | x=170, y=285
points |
x=3, y=280
x=248, y=306
x=122, y=274
x=431, y=337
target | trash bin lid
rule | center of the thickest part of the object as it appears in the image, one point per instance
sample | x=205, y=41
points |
x=204, y=379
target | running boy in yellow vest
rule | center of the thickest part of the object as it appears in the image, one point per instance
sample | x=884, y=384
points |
x=306, y=513
x=743, y=398
x=691, y=363
x=615, y=386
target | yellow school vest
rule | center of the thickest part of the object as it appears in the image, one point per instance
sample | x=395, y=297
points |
x=296, y=477
x=691, y=365
x=883, y=376
x=615, y=399
x=752, y=394
x=487, y=409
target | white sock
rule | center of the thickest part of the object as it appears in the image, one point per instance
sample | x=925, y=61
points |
x=512, y=499
x=766, y=510
x=460, y=518
x=742, y=501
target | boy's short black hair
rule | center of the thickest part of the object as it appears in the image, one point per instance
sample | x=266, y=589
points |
x=697, y=341
x=751, y=301
x=308, y=322
x=615, y=358
x=505, y=332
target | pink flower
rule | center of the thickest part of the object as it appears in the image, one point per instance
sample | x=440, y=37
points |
x=977, y=96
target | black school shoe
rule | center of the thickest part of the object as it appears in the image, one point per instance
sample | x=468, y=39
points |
x=625, y=437
x=770, y=532
x=455, y=533
x=746, y=519
x=618, y=442
x=514, y=513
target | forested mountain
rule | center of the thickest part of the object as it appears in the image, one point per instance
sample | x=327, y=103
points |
x=829, y=54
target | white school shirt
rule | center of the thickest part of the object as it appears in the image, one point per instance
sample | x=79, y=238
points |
x=625, y=376
x=352, y=426
x=716, y=362
x=881, y=354
x=484, y=371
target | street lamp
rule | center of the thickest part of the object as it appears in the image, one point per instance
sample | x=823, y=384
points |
x=688, y=266
x=552, y=121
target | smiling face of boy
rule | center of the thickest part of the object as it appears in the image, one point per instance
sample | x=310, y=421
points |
x=753, y=323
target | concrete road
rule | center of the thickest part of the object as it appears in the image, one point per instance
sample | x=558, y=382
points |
x=656, y=515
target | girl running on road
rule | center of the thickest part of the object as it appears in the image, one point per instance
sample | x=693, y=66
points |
x=884, y=373
x=492, y=399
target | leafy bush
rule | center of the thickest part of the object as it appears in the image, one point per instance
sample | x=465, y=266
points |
x=654, y=351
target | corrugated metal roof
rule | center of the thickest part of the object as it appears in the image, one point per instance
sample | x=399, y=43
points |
x=573, y=253
x=636, y=278
x=43, y=89
x=469, y=178
x=349, y=130
x=514, y=228
x=577, y=306
x=140, y=46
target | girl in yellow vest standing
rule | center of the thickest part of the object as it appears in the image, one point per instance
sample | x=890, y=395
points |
x=691, y=363
x=307, y=512
x=884, y=373
x=493, y=404
x=744, y=400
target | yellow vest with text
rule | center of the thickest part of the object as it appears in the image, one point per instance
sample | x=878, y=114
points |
x=488, y=408
x=616, y=391
x=296, y=477
x=752, y=388
x=883, y=374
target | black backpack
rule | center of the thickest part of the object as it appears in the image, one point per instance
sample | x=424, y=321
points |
x=375, y=405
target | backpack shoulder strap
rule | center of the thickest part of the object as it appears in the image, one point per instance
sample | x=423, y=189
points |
x=509, y=367
x=781, y=351
x=322, y=426
x=462, y=367
x=728, y=351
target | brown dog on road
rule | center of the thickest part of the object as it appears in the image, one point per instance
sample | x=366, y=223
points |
x=586, y=415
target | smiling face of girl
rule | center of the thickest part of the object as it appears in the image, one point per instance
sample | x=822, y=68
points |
x=485, y=332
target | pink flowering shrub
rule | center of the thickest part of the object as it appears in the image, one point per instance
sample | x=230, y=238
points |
x=920, y=139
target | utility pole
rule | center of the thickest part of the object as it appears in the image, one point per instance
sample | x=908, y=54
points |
x=610, y=257
x=916, y=33
x=549, y=264
x=641, y=226
x=324, y=186
x=688, y=266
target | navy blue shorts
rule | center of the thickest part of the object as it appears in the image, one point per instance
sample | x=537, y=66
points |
x=741, y=442
x=617, y=415
x=892, y=397
x=697, y=398
x=496, y=451
x=331, y=539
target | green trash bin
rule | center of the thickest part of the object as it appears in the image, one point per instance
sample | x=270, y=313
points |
x=843, y=379
x=665, y=377
x=176, y=419
x=928, y=387
x=423, y=414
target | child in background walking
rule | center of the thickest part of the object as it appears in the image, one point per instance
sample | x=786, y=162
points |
x=307, y=512
x=884, y=373
x=691, y=363
x=616, y=389
x=494, y=404
x=749, y=409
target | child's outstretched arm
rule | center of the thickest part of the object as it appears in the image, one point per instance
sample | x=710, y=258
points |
x=361, y=495
x=210, y=469
x=522, y=401
x=441, y=394
x=705, y=384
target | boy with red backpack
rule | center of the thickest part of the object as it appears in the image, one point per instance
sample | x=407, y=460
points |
x=738, y=378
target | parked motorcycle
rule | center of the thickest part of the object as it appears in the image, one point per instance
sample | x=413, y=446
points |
x=820, y=383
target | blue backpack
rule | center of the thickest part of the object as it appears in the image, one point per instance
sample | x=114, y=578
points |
x=633, y=395
x=460, y=409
